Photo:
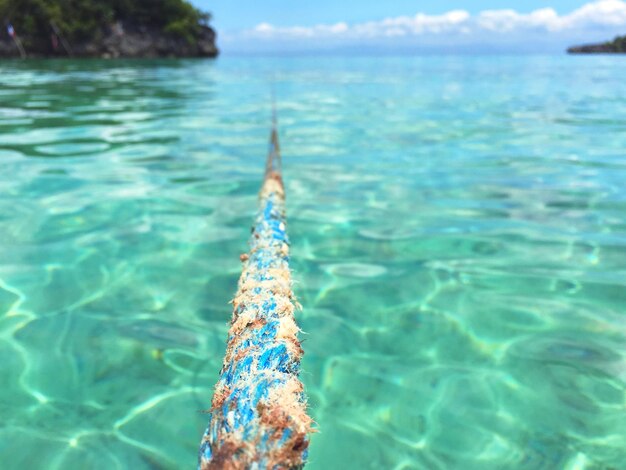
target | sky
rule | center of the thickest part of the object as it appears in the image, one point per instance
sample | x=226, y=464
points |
x=404, y=25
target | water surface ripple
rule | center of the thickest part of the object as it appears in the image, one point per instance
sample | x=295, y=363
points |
x=459, y=241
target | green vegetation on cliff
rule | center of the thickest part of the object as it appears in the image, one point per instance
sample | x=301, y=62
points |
x=91, y=20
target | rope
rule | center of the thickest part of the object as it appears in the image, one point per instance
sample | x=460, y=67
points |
x=274, y=162
x=19, y=45
x=258, y=415
x=64, y=43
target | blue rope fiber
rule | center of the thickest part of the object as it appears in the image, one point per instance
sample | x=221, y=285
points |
x=258, y=416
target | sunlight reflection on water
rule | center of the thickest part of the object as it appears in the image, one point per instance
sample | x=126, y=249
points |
x=459, y=245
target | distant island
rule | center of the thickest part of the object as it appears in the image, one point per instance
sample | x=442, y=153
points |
x=617, y=46
x=105, y=29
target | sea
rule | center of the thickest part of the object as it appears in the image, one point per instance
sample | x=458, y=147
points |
x=458, y=243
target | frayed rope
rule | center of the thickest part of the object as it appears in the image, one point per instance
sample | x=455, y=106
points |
x=258, y=417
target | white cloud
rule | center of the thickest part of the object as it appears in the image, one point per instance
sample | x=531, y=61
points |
x=592, y=15
x=504, y=21
x=268, y=31
x=597, y=14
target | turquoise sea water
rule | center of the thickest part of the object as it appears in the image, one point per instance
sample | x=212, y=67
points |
x=458, y=231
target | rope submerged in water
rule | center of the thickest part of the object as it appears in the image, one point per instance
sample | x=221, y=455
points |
x=258, y=415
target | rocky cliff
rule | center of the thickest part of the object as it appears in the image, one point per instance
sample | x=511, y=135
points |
x=142, y=43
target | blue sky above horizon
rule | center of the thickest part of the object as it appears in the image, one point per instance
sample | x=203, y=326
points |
x=534, y=26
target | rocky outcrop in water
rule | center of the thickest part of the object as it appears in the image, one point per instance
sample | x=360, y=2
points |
x=137, y=43
x=617, y=46
x=153, y=44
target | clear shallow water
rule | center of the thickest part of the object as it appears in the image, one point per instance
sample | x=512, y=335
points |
x=459, y=238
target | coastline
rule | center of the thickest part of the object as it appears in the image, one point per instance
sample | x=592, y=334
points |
x=617, y=46
x=134, y=43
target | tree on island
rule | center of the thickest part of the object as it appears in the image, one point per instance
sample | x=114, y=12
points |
x=618, y=44
x=92, y=21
